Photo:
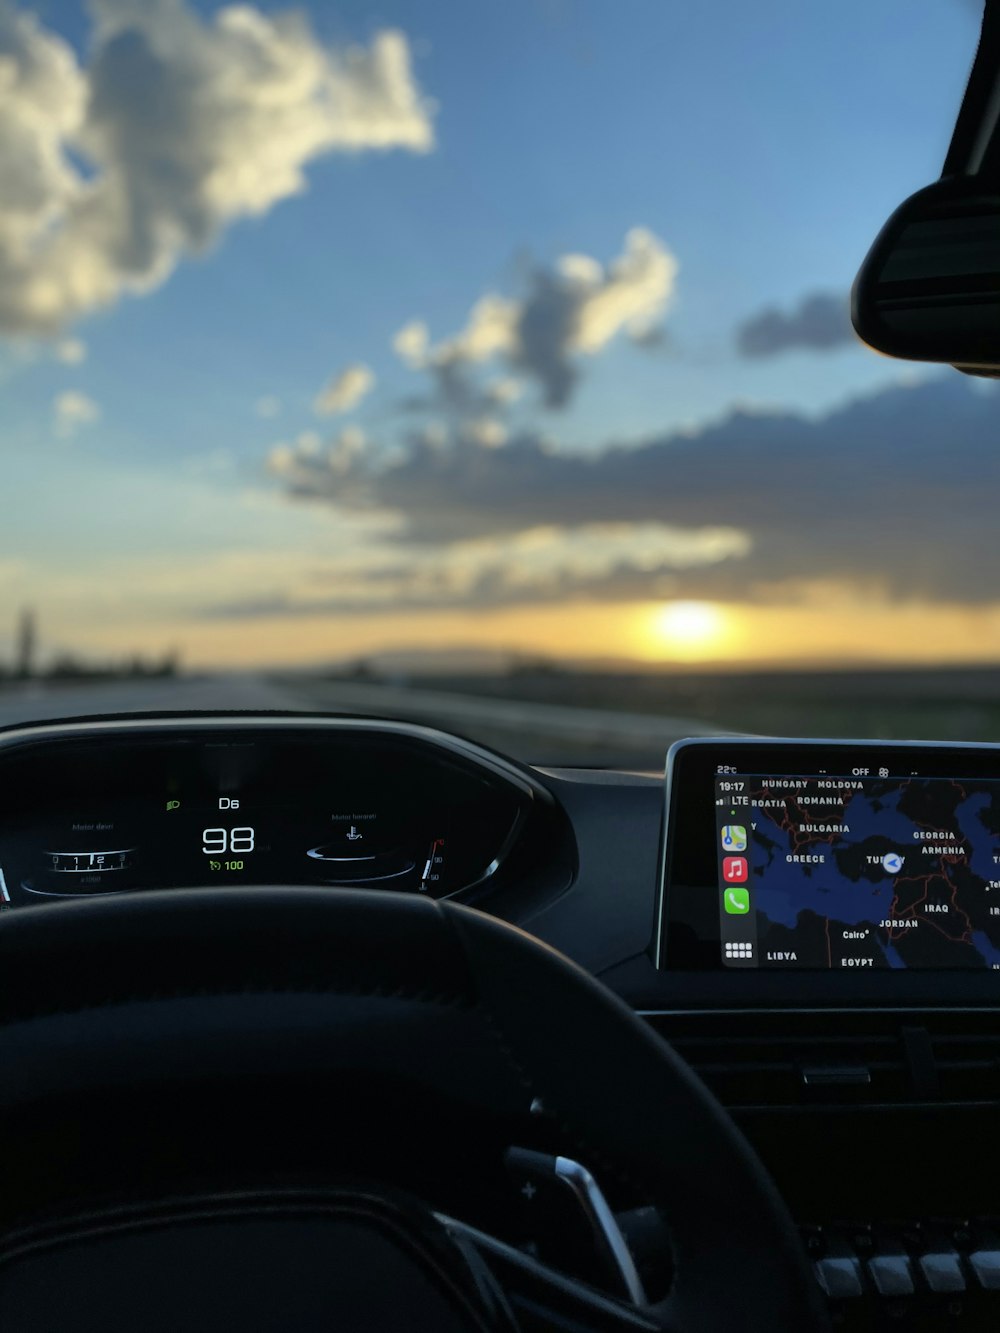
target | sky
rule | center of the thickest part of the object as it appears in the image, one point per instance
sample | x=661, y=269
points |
x=335, y=330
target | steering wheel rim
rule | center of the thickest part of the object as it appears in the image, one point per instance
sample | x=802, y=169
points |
x=180, y=986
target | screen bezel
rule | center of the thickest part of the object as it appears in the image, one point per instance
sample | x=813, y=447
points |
x=692, y=766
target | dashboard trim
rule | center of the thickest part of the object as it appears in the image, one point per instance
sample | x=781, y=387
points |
x=680, y=1011
x=61, y=730
x=70, y=897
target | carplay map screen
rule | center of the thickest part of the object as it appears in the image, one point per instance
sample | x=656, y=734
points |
x=858, y=870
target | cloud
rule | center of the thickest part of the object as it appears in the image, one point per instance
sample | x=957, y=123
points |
x=267, y=407
x=73, y=410
x=892, y=494
x=412, y=343
x=631, y=295
x=71, y=351
x=489, y=432
x=819, y=323
x=569, y=312
x=345, y=391
x=542, y=565
x=504, y=391
x=491, y=329
x=307, y=454
x=177, y=127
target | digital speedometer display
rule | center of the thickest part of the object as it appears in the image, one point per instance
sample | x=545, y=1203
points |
x=782, y=856
x=360, y=809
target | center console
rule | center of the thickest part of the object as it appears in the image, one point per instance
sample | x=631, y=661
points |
x=826, y=955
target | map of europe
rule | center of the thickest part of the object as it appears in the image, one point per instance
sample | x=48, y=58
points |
x=901, y=873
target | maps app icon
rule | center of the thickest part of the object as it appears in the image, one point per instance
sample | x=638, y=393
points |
x=734, y=838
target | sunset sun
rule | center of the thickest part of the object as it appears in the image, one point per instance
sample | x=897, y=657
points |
x=689, y=629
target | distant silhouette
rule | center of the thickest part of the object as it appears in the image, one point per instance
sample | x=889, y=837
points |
x=27, y=639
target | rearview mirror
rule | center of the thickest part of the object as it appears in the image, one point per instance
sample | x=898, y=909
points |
x=929, y=288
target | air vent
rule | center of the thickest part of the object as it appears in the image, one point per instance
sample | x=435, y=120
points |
x=966, y=1055
x=754, y=1060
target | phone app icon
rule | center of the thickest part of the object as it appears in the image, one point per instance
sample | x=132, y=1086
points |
x=736, y=901
x=734, y=869
x=734, y=838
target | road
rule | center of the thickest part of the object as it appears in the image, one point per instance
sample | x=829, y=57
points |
x=539, y=733
x=35, y=701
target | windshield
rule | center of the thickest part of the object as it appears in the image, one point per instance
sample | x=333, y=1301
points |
x=484, y=365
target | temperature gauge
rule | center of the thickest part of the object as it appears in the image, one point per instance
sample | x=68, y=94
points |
x=431, y=874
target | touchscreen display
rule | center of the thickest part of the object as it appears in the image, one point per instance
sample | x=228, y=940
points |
x=884, y=863
x=832, y=870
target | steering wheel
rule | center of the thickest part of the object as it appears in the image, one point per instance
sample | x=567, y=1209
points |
x=281, y=1108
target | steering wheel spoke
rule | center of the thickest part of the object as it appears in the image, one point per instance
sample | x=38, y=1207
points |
x=540, y=1297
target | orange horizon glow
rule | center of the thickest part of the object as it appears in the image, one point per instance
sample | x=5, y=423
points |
x=720, y=635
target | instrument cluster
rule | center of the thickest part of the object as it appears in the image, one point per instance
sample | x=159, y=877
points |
x=101, y=808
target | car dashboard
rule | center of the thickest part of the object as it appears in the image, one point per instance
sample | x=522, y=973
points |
x=119, y=806
x=864, y=1067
